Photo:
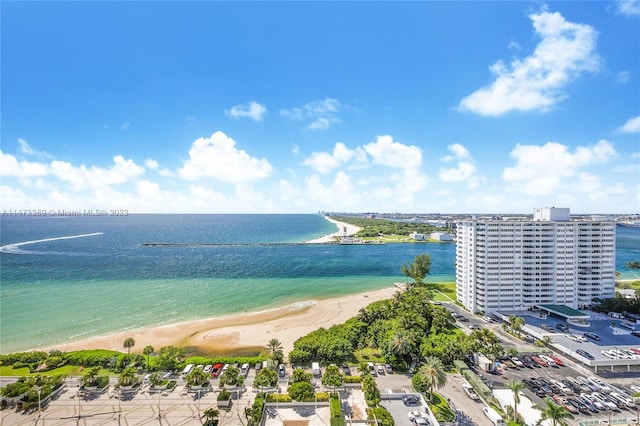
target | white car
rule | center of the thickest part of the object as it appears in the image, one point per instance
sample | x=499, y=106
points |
x=603, y=387
x=471, y=393
x=516, y=361
x=604, y=401
x=622, y=398
x=416, y=415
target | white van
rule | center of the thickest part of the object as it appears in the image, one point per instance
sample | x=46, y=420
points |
x=494, y=416
x=315, y=368
x=187, y=369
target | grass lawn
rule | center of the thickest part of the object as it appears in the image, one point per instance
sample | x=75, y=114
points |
x=440, y=408
x=369, y=355
x=443, y=292
x=67, y=370
x=635, y=285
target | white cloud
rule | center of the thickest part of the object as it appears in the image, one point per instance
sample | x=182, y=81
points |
x=385, y=151
x=459, y=152
x=83, y=177
x=324, y=162
x=251, y=109
x=125, y=126
x=537, y=82
x=628, y=7
x=10, y=166
x=540, y=170
x=465, y=171
x=218, y=158
x=27, y=149
x=631, y=126
x=151, y=164
x=321, y=113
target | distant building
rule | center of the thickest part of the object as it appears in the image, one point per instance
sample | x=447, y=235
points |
x=417, y=236
x=441, y=236
x=517, y=263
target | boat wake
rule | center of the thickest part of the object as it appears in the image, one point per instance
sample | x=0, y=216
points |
x=15, y=247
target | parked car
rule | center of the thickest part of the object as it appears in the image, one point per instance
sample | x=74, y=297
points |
x=281, y=370
x=591, y=335
x=584, y=353
x=388, y=368
x=380, y=369
x=216, y=370
x=411, y=400
x=562, y=327
x=345, y=369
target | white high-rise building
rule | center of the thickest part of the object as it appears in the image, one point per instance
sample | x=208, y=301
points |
x=515, y=263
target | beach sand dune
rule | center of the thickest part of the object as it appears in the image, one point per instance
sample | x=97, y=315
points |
x=236, y=333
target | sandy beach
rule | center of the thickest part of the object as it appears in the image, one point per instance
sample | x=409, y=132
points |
x=342, y=226
x=236, y=332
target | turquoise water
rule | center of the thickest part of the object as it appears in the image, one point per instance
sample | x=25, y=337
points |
x=68, y=289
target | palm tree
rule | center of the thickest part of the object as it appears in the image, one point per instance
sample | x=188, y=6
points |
x=400, y=344
x=212, y=416
x=554, y=412
x=148, y=350
x=128, y=344
x=127, y=377
x=516, y=387
x=432, y=372
x=274, y=346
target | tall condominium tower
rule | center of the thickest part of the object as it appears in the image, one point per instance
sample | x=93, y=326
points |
x=515, y=263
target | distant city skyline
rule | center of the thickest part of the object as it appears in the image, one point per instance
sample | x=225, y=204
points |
x=299, y=107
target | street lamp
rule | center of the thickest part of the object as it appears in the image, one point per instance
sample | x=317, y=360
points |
x=39, y=406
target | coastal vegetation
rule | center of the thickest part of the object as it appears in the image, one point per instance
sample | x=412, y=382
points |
x=376, y=228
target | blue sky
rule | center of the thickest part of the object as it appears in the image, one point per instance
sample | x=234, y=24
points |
x=451, y=107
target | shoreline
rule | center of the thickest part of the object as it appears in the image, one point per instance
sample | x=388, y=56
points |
x=343, y=229
x=236, y=332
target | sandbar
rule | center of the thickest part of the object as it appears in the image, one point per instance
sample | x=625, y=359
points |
x=233, y=333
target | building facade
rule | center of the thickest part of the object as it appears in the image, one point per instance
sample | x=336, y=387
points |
x=512, y=264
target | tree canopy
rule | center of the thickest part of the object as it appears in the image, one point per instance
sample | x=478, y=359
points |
x=419, y=269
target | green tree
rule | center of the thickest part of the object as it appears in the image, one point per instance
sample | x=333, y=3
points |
x=556, y=413
x=516, y=388
x=148, y=350
x=91, y=376
x=155, y=379
x=419, y=269
x=229, y=377
x=401, y=344
x=432, y=372
x=266, y=378
x=197, y=377
x=301, y=391
x=127, y=377
x=516, y=323
x=299, y=375
x=332, y=377
x=274, y=346
x=128, y=344
x=211, y=414
x=169, y=357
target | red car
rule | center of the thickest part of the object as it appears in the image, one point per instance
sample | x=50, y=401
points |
x=539, y=361
x=215, y=371
x=635, y=351
x=557, y=360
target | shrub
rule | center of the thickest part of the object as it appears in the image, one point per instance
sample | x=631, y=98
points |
x=225, y=395
x=381, y=415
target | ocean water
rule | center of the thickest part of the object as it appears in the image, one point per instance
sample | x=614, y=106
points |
x=75, y=277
